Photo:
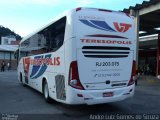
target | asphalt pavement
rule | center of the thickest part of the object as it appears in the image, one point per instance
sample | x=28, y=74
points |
x=22, y=103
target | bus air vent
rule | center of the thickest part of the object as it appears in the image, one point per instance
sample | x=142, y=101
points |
x=105, y=52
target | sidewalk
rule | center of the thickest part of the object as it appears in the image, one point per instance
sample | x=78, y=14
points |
x=148, y=84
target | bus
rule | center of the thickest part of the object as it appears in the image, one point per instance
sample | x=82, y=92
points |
x=84, y=56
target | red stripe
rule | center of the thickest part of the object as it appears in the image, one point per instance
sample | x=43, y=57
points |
x=107, y=36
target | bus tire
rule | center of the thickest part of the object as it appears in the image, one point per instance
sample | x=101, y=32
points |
x=46, y=92
x=21, y=79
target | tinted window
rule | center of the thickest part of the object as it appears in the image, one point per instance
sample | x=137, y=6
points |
x=49, y=39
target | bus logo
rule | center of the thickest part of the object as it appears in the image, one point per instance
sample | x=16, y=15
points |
x=41, y=63
x=122, y=27
x=102, y=25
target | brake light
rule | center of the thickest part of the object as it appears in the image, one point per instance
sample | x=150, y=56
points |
x=132, y=79
x=74, y=76
x=134, y=68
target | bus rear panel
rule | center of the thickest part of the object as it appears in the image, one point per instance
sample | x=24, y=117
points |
x=104, y=67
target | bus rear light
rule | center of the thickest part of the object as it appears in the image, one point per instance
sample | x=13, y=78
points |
x=74, y=76
x=132, y=79
x=134, y=68
x=73, y=82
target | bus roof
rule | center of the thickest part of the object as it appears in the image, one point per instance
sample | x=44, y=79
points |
x=64, y=14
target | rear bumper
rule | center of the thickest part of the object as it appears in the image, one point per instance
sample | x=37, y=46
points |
x=91, y=97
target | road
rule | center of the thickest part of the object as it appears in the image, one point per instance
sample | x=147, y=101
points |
x=27, y=103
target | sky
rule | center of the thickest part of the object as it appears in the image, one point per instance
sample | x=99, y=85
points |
x=25, y=16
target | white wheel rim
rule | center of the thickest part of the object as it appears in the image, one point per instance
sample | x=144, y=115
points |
x=46, y=91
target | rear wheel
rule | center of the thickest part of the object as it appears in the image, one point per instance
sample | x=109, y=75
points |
x=46, y=92
x=21, y=79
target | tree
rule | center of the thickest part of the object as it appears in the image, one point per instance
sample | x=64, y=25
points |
x=6, y=32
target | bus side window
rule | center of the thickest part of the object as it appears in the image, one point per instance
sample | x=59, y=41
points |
x=55, y=35
x=59, y=40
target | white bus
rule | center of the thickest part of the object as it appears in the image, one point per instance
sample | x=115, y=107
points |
x=85, y=56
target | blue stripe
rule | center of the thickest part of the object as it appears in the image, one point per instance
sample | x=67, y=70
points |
x=43, y=68
x=103, y=24
x=89, y=24
x=35, y=67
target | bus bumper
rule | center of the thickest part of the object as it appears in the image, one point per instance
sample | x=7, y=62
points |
x=92, y=97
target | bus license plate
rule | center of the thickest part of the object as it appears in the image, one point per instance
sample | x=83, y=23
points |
x=108, y=94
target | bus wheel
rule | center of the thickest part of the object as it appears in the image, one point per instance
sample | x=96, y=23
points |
x=46, y=92
x=21, y=79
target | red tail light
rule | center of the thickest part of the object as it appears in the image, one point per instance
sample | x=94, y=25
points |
x=74, y=76
x=132, y=79
x=134, y=68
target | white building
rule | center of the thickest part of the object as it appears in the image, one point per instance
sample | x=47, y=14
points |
x=7, y=40
x=8, y=46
